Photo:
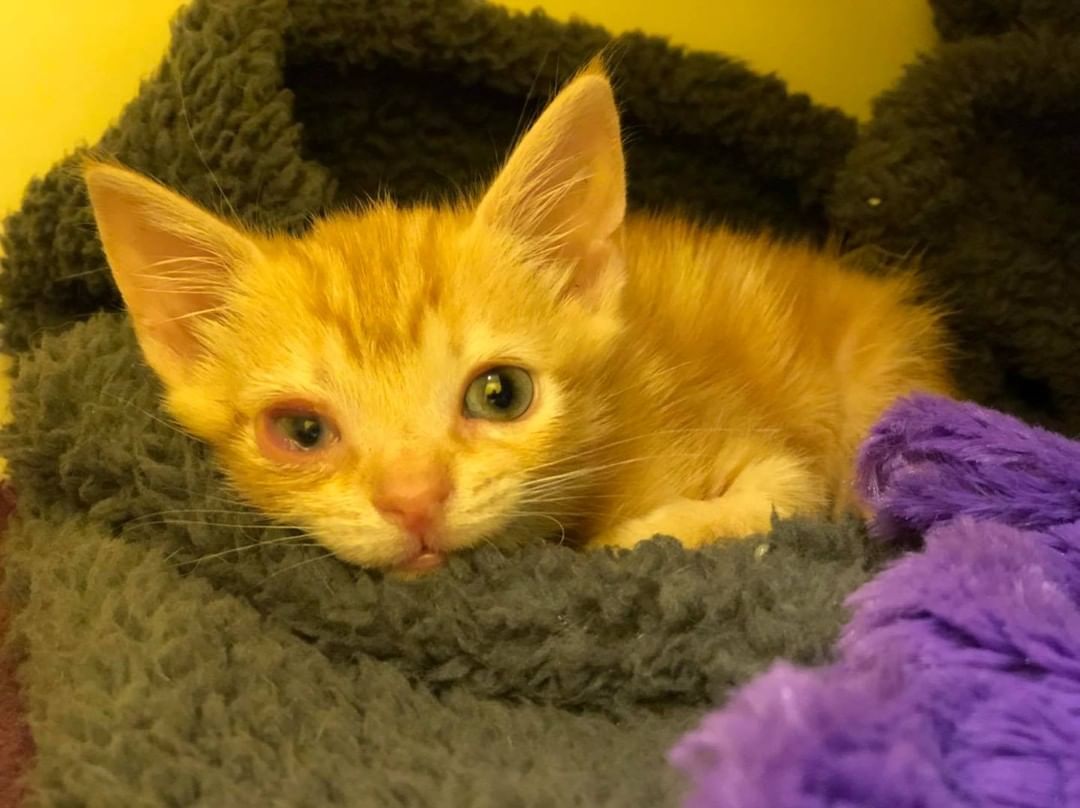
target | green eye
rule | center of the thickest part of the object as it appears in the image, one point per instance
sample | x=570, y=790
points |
x=499, y=394
x=304, y=431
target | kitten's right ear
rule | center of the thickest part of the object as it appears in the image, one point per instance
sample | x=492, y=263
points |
x=171, y=260
x=564, y=185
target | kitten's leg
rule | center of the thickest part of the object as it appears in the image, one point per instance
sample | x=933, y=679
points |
x=779, y=483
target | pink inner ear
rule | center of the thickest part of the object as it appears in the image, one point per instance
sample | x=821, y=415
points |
x=171, y=260
x=175, y=282
x=600, y=272
x=171, y=324
x=564, y=186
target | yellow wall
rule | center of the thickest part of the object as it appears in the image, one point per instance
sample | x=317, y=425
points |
x=69, y=65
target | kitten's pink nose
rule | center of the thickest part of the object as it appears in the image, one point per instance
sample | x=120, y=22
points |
x=412, y=496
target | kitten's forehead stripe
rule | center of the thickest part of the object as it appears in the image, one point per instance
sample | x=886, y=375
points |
x=430, y=264
x=425, y=267
x=378, y=276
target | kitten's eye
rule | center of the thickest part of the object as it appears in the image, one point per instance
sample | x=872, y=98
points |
x=288, y=431
x=307, y=431
x=499, y=394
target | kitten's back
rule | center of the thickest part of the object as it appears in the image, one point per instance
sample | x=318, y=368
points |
x=780, y=333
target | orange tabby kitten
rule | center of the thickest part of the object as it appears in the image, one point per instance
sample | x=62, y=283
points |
x=410, y=382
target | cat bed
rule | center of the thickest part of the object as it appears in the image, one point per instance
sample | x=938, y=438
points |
x=175, y=650
x=957, y=680
x=971, y=164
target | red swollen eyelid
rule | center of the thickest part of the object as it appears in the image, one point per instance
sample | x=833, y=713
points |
x=276, y=446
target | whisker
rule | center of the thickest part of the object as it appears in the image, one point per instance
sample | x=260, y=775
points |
x=184, y=259
x=152, y=416
x=236, y=511
x=300, y=564
x=657, y=433
x=528, y=97
x=202, y=523
x=280, y=540
x=562, y=527
x=194, y=142
x=570, y=496
x=546, y=512
x=555, y=479
x=73, y=275
x=297, y=542
x=238, y=505
x=186, y=289
x=498, y=548
x=191, y=314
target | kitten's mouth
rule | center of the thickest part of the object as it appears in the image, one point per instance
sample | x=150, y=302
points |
x=426, y=561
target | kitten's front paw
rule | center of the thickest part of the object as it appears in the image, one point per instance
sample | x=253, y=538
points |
x=692, y=522
x=775, y=485
x=627, y=535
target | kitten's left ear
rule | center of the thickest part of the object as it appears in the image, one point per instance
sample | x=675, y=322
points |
x=564, y=186
x=172, y=261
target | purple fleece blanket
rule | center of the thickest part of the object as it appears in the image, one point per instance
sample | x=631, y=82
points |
x=957, y=681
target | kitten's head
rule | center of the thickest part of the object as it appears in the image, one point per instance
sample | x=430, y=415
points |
x=402, y=383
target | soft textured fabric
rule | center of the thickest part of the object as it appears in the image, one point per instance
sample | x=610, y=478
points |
x=956, y=19
x=958, y=678
x=971, y=165
x=16, y=746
